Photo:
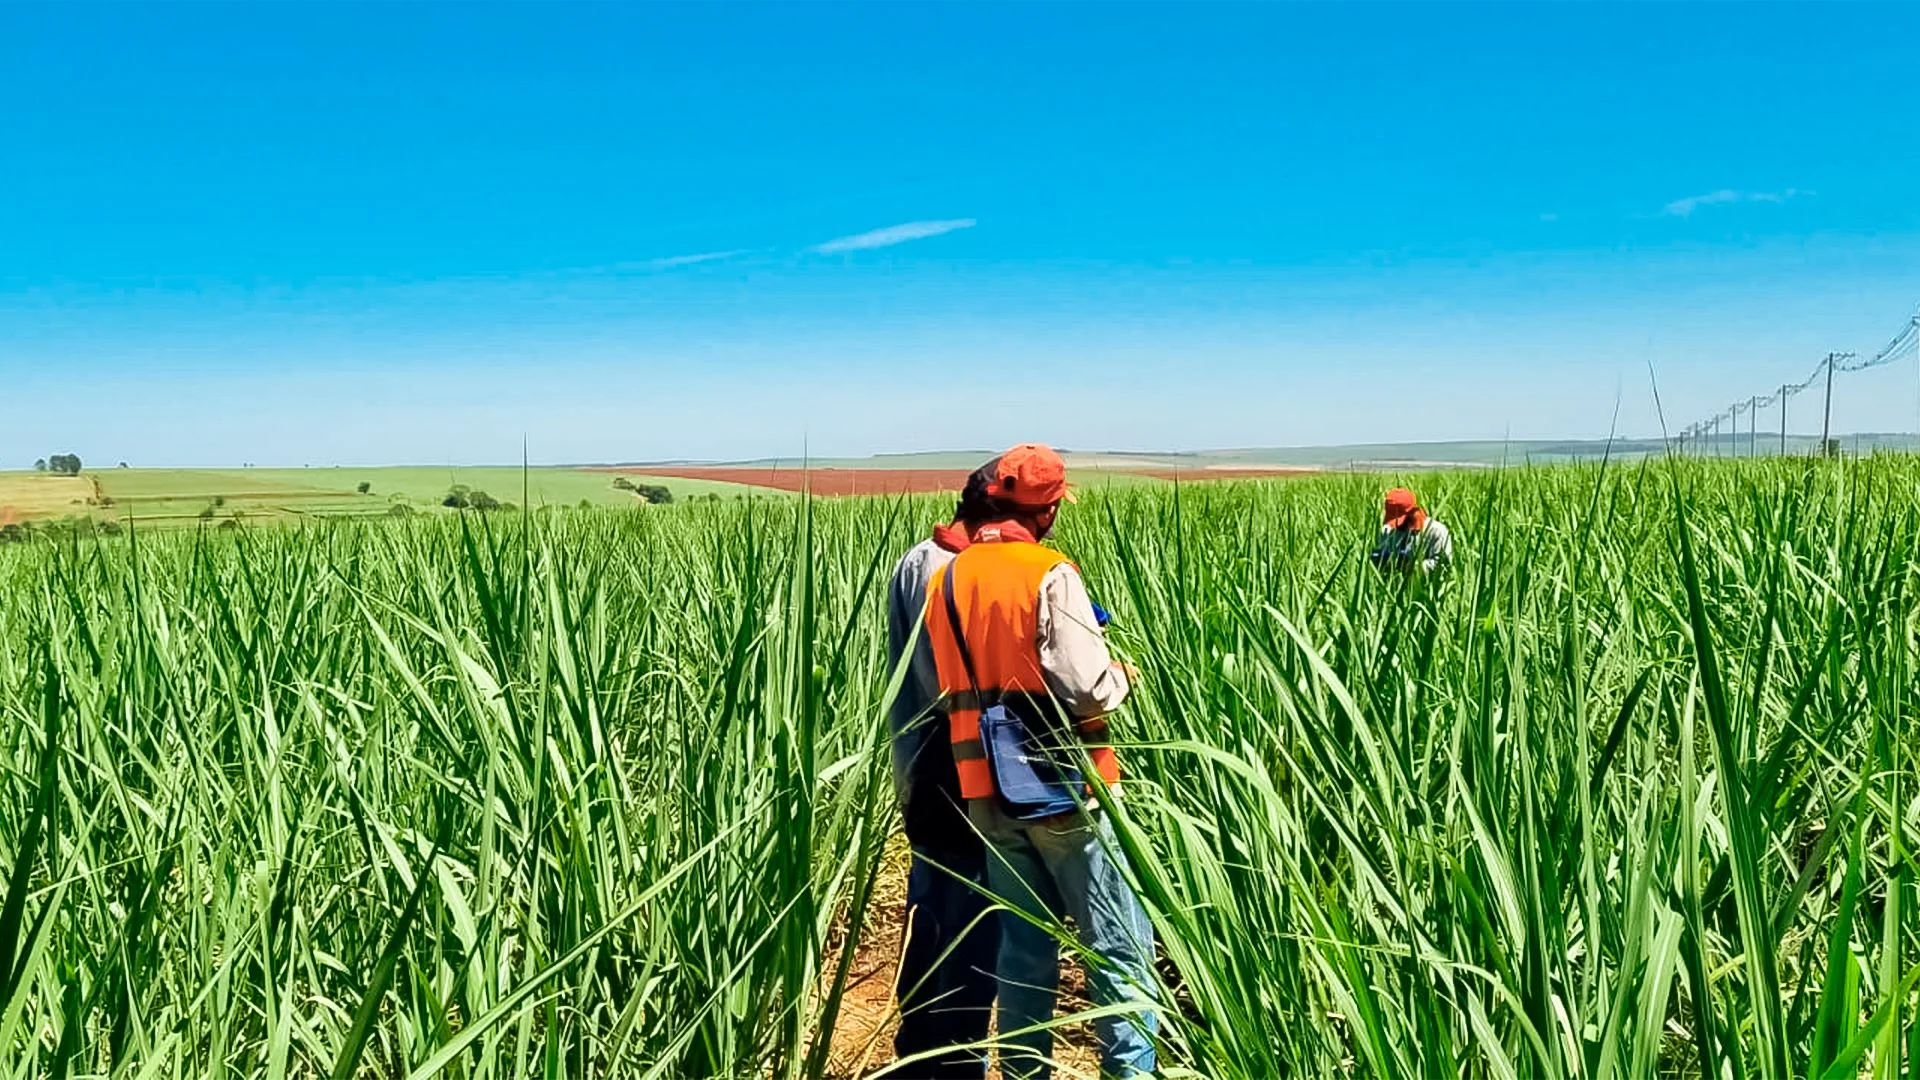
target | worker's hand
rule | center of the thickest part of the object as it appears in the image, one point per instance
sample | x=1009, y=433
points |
x=1132, y=673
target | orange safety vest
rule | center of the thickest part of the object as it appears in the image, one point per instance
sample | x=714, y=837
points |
x=997, y=592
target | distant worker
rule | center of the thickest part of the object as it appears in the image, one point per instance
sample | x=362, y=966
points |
x=1410, y=537
x=945, y=981
x=1024, y=669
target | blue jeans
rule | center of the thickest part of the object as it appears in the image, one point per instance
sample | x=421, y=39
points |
x=945, y=981
x=1050, y=869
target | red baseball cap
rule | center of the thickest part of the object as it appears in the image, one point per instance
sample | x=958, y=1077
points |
x=1031, y=475
x=1400, y=503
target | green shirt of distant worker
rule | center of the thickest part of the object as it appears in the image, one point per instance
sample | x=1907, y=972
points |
x=1409, y=537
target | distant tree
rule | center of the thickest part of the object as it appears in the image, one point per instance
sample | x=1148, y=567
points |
x=230, y=523
x=399, y=509
x=456, y=499
x=13, y=533
x=64, y=464
x=109, y=528
x=480, y=500
x=655, y=494
x=364, y=487
x=206, y=513
x=122, y=465
x=219, y=500
x=623, y=483
x=40, y=465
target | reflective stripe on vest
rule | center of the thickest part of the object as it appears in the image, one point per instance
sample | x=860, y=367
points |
x=998, y=596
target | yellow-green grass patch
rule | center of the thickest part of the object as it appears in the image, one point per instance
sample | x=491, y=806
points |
x=31, y=496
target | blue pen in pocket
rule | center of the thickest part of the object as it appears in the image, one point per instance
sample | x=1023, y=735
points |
x=1100, y=616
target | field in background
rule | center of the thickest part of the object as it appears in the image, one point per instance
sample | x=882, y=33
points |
x=824, y=481
x=173, y=497
x=32, y=496
x=1628, y=794
x=1221, y=472
x=183, y=496
x=836, y=481
x=1369, y=456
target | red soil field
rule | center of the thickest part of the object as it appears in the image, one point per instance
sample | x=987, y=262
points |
x=901, y=481
x=821, y=481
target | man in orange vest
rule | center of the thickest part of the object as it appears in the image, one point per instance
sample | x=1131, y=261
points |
x=1028, y=682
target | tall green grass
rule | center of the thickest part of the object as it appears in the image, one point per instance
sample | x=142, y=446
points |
x=1626, y=795
x=586, y=794
x=604, y=793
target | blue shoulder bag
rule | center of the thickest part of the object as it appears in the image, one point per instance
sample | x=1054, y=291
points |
x=1032, y=782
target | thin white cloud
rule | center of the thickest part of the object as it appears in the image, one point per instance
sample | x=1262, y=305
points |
x=1685, y=207
x=672, y=261
x=893, y=234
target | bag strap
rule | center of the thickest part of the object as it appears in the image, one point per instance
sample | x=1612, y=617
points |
x=959, y=633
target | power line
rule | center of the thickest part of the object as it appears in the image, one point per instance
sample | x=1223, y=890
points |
x=1904, y=343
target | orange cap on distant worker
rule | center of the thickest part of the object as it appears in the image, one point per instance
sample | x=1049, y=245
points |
x=1032, y=475
x=1400, y=504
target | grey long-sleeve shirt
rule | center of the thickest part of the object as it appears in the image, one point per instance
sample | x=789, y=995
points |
x=1430, y=547
x=1079, y=670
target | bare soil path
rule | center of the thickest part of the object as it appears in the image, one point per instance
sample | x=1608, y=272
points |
x=863, y=1035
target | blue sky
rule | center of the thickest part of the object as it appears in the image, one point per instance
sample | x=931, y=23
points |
x=356, y=234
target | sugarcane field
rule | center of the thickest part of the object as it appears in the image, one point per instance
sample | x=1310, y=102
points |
x=959, y=541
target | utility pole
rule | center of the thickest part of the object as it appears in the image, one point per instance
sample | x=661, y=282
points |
x=1826, y=424
x=1753, y=426
x=1783, y=420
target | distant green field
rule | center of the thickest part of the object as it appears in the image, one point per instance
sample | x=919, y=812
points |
x=172, y=495
x=1094, y=479
x=187, y=496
